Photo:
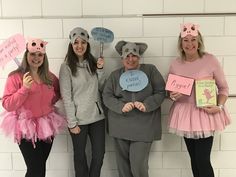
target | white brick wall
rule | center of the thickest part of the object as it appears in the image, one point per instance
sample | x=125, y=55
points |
x=52, y=20
x=140, y=7
x=43, y=28
x=96, y=8
x=10, y=27
x=220, y=6
x=193, y=6
x=23, y=8
x=62, y=8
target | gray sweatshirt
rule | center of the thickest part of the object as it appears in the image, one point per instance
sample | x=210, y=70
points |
x=80, y=95
x=135, y=125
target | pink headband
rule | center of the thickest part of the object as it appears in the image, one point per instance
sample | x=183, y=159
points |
x=189, y=28
x=36, y=45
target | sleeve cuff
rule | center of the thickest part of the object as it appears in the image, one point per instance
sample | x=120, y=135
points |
x=24, y=90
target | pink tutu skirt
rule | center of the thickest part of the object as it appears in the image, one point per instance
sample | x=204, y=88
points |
x=191, y=122
x=32, y=129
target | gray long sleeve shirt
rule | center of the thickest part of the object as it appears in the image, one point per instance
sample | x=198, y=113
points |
x=80, y=95
x=135, y=125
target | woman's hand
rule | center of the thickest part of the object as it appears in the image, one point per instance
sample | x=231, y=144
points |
x=100, y=63
x=212, y=109
x=27, y=80
x=140, y=106
x=175, y=95
x=75, y=130
x=128, y=107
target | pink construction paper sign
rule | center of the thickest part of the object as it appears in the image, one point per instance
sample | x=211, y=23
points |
x=179, y=84
x=11, y=48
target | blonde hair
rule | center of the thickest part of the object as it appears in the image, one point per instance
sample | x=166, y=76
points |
x=200, y=49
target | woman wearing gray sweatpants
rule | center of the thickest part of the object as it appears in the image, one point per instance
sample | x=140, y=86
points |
x=134, y=117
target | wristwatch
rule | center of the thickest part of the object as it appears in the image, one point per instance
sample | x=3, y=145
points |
x=221, y=106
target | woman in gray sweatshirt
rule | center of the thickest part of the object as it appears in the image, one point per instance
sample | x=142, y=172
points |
x=134, y=112
x=81, y=77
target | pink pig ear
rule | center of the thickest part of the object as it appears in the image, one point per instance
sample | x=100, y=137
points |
x=45, y=43
x=29, y=39
x=197, y=27
x=182, y=32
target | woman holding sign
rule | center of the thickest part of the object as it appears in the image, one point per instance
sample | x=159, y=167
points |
x=133, y=95
x=198, y=124
x=81, y=80
x=29, y=97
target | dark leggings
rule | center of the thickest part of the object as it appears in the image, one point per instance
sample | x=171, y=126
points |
x=200, y=151
x=35, y=158
x=96, y=132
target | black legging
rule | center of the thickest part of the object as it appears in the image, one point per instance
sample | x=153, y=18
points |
x=96, y=132
x=200, y=151
x=35, y=158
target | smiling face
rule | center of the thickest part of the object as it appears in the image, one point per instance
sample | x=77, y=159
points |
x=80, y=47
x=190, y=46
x=131, y=62
x=35, y=59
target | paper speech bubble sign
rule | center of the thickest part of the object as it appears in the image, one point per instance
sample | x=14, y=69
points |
x=102, y=35
x=11, y=48
x=133, y=80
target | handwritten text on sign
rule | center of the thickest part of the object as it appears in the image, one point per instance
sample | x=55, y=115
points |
x=11, y=48
x=133, y=80
x=102, y=35
x=179, y=84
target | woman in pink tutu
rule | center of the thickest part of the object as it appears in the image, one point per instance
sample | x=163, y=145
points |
x=197, y=124
x=29, y=97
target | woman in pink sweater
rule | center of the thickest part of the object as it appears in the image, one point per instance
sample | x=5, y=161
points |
x=29, y=97
x=197, y=124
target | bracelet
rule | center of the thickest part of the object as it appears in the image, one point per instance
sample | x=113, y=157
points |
x=173, y=98
x=221, y=106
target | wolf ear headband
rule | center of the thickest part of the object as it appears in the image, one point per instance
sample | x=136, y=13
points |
x=189, y=28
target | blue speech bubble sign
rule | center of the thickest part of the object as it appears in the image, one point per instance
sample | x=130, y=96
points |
x=102, y=35
x=133, y=80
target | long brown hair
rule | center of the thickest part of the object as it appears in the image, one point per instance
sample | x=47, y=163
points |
x=72, y=60
x=43, y=70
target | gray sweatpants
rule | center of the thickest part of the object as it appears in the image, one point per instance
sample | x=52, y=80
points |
x=132, y=157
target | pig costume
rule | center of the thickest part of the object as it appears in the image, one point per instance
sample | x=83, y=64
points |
x=30, y=113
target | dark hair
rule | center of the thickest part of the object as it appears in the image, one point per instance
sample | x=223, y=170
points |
x=72, y=59
x=43, y=70
x=200, y=49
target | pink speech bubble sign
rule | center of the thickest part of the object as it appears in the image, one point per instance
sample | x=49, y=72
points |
x=179, y=84
x=11, y=48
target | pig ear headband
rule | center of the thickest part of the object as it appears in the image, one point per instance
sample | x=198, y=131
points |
x=189, y=28
x=36, y=45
